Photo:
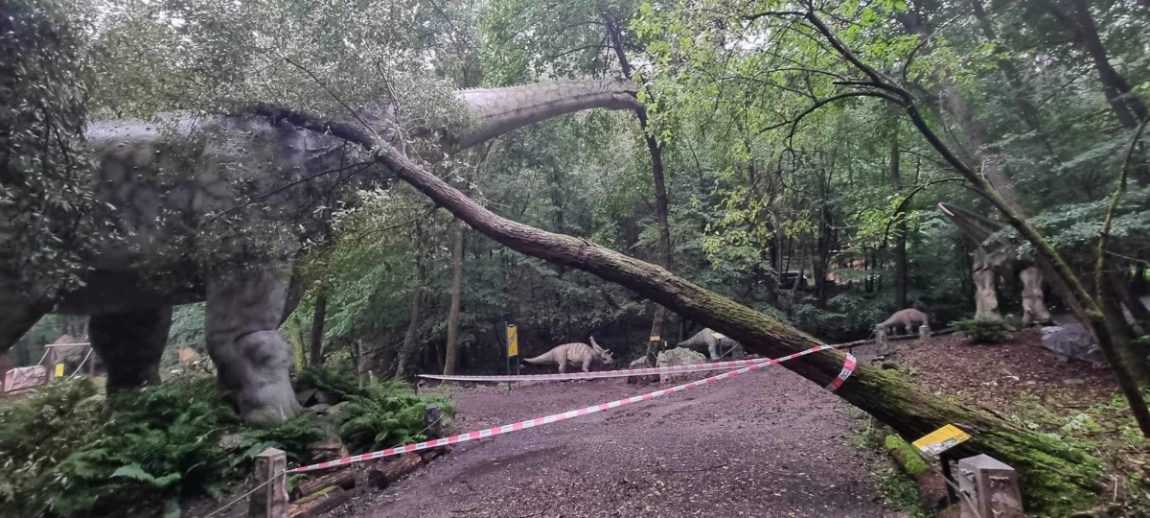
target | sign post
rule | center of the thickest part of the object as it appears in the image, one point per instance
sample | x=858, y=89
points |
x=512, y=348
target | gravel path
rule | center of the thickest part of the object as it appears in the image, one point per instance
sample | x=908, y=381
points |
x=765, y=444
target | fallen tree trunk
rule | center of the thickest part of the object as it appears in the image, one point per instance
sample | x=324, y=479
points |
x=1055, y=475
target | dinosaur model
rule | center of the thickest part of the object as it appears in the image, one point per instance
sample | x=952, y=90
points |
x=906, y=319
x=216, y=208
x=711, y=341
x=574, y=353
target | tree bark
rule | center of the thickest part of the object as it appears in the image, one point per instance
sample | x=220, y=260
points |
x=411, y=337
x=655, y=150
x=901, y=273
x=451, y=356
x=317, y=325
x=1047, y=466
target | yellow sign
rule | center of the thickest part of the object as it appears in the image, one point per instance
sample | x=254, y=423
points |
x=59, y=370
x=938, y=441
x=512, y=340
x=655, y=338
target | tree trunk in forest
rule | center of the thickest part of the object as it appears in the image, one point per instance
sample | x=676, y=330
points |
x=901, y=273
x=451, y=356
x=1046, y=466
x=655, y=150
x=317, y=324
x=411, y=337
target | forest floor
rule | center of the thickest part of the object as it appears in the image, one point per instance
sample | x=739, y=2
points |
x=1026, y=384
x=766, y=444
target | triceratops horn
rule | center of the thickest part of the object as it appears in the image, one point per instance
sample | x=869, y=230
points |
x=594, y=343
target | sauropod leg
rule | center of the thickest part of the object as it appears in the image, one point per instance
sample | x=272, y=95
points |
x=15, y=320
x=252, y=359
x=130, y=344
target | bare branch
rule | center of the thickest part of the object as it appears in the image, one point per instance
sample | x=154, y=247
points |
x=1100, y=261
x=794, y=122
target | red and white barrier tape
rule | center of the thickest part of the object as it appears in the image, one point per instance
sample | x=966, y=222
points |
x=849, y=364
x=554, y=418
x=620, y=373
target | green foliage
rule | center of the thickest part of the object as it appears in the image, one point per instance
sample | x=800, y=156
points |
x=984, y=331
x=66, y=454
x=48, y=215
x=387, y=414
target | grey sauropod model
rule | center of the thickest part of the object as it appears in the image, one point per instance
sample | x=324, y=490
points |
x=712, y=342
x=908, y=319
x=574, y=353
x=216, y=208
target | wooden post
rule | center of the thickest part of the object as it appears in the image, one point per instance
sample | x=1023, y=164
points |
x=271, y=500
x=880, y=340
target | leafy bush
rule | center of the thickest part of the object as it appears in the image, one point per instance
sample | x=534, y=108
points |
x=67, y=453
x=388, y=414
x=984, y=331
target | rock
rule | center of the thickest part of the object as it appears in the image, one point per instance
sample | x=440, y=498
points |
x=1072, y=341
x=305, y=397
x=1073, y=381
x=675, y=357
x=438, y=422
x=640, y=363
x=231, y=441
x=336, y=411
x=328, y=448
x=320, y=409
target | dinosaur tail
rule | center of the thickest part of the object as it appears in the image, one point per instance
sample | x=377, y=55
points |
x=538, y=360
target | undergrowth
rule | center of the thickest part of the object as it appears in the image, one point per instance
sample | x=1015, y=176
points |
x=68, y=452
x=984, y=331
x=899, y=491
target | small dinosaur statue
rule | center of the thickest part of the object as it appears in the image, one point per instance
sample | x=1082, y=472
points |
x=711, y=341
x=908, y=319
x=574, y=353
x=216, y=208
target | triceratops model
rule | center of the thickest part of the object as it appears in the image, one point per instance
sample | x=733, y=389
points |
x=714, y=343
x=908, y=320
x=216, y=208
x=574, y=353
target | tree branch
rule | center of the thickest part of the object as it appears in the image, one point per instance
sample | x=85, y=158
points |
x=1104, y=235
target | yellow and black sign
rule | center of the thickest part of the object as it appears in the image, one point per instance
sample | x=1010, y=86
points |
x=938, y=441
x=512, y=340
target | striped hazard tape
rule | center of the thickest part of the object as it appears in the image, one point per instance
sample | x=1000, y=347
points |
x=620, y=373
x=570, y=414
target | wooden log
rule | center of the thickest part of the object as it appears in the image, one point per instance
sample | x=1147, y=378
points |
x=344, y=479
x=383, y=474
x=320, y=503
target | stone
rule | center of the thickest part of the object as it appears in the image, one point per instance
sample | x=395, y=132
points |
x=675, y=357
x=438, y=422
x=1072, y=341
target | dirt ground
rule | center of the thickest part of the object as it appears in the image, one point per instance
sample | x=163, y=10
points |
x=999, y=375
x=766, y=444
